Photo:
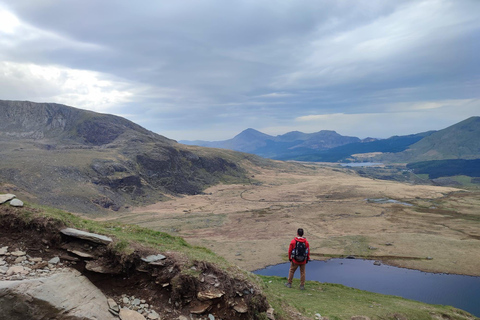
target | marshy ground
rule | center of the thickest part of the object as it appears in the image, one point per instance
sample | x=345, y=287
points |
x=251, y=224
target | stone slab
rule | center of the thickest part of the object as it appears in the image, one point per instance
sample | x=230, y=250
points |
x=97, y=238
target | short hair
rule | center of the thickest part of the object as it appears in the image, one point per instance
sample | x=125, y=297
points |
x=300, y=232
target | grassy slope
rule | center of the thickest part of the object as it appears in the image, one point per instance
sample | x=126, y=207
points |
x=338, y=302
x=334, y=301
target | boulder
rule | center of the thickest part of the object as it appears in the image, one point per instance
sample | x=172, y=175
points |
x=66, y=295
x=127, y=314
x=6, y=197
x=97, y=238
x=16, y=203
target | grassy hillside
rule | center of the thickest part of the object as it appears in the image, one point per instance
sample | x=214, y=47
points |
x=334, y=302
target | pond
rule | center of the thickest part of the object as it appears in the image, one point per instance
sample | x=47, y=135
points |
x=462, y=292
x=361, y=164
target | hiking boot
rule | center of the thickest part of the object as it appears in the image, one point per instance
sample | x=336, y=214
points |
x=288, y=285
x=302, y=287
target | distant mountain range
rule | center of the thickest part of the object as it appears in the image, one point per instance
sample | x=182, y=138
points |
x=281, y=146
x=460, y=141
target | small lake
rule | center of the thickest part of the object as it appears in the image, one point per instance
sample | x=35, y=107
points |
x=462, y=292
x=361, y=164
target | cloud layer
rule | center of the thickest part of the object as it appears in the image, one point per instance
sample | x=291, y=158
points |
x=209, y=69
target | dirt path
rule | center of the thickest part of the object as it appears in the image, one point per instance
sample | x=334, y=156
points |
x=251, y=225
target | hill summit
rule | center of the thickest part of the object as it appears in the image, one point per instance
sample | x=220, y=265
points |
x=86, y=161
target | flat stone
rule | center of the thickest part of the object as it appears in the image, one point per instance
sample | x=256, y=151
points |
x=182, y=318
x=81, y=254
x=16, y=203
x=241, y=307
x=127, y=314
x=3, y=250
x=18, y=253
x=113, y=305
x=66, y=295
x=3, y=269
x=209, y=295
x=154, y=258
x=201, y=307
x=35, y=259
x=97, y=238
x=6, y=197
x=20, y=259
x=16, y=270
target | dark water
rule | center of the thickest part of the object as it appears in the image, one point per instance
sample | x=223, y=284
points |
x=462, y=292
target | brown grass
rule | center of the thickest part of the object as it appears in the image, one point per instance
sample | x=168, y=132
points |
x=251, y=225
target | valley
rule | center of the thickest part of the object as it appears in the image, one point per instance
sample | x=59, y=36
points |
x=252, y=224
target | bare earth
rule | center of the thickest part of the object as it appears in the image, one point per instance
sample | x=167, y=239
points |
x=252, y=225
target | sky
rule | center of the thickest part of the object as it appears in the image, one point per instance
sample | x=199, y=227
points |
x=207, y=70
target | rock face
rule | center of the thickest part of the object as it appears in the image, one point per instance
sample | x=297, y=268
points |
x=67, y=295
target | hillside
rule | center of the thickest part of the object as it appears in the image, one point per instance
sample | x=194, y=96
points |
x=88, y=162
x=459, y=141
x=276, y=147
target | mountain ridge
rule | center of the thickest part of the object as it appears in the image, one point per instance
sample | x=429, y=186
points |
x=87, y=162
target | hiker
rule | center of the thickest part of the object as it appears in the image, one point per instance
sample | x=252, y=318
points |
x=299, y=255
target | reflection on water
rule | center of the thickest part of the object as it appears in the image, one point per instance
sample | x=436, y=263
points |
x=448, y=289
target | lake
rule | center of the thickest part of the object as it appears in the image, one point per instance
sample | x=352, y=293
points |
x=361, y=164
x=462, y=292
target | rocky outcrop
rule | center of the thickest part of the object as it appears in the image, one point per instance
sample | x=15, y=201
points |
x=66, y=295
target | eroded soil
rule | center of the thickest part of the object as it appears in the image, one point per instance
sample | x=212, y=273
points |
x=172, y=287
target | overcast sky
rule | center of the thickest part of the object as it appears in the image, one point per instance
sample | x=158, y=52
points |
x=208, y=69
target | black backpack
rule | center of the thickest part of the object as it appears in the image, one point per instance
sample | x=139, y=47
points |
x=300, y=252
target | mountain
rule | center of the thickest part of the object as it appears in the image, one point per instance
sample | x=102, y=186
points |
x=459, y=141
x=261, y=144
x=360, y=149
x=87, y=162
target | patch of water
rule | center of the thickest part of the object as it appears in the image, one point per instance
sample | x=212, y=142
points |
x=361, y=164
x=387, y=200
x=462, y=292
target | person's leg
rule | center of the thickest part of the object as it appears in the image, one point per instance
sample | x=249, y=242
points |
x=293, y=268
x=302, y=276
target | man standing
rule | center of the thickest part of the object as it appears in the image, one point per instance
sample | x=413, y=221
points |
x=299, y=255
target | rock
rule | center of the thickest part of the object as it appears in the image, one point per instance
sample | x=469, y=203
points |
x=182, y=318
x=3, y=269
x=81, y=254
x=66, y=295
x=209, y=295
x=16, y=203
x=201, y=307
x=2, y=262
x=241, y=307
x=136, y=302
x=54, y=260
x=97, y=238
x=3, y=250
x=389, y=244
x=429, y=258
x=377, y=263
x=360, y=318
x=270, y=313
x=6, y=197
x=125, y=300
x=113, y=305
x=36, y=259
x=211, y=317
x=16, y=270
x=20, y=260
x=127, y=314
x=154, y=258
x=153, y=315
x=18, y=253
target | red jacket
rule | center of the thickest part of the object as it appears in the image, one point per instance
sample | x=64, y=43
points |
x=292, y=246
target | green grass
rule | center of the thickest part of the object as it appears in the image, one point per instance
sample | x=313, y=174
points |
x=126, y=235
x=338, y=302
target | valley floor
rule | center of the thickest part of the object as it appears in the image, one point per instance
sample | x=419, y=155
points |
x=435, y=229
